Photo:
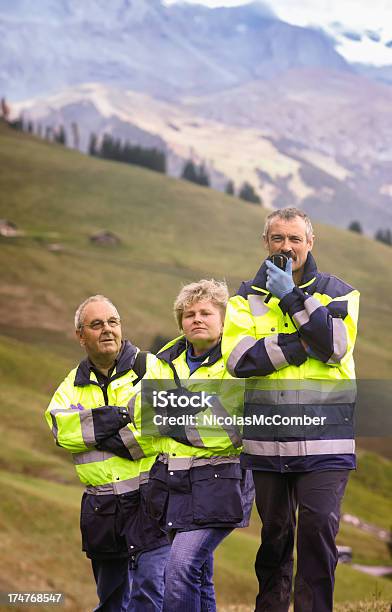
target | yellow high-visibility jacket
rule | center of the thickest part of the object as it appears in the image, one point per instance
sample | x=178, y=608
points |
x=297, y=356
x=90, y=418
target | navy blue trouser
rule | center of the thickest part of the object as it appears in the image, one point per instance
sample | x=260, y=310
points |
x=114, y=584
x=136, y=586
x=318, y=496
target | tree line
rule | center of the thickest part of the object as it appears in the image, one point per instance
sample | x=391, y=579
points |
x=381, y=235
x=109, y=147
x=197, y=173
x=114, y=149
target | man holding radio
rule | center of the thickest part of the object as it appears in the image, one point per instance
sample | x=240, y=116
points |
x=291, y=331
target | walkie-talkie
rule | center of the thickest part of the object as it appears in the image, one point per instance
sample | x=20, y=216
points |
x=280, y=260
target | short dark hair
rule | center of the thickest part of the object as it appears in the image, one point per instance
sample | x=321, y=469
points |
x=287, y=214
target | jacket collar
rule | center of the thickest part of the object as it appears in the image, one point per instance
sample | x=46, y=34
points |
x=124, y=362
x=179, y=345
x=309, y=276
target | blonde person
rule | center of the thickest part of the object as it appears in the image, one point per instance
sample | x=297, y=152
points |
x=197, y=489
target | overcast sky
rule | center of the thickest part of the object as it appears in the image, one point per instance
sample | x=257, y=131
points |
x=355, y=13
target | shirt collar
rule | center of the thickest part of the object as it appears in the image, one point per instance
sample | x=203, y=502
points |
x=123, y=363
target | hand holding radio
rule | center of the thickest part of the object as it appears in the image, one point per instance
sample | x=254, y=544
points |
x=279, y=279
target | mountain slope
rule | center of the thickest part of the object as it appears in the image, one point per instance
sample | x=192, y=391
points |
x=312, y=138
x=171, y=232
x=162, y=50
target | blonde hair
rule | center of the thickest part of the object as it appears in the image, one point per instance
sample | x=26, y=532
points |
x=211, y=290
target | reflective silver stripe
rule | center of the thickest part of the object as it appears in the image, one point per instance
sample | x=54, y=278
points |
x=87, y=427
x=125, y=486
x=232, y=430
x=178, y=463
x=215, y=460
x=244, y=345
x=257, y=306
x=274, y=352
x=114, y=488
x=186, y=463
x=55, y=429
x=131, y=408
x=303, y=316
x=86, y=423
x=144, y=477
x=299, y=448
x=339, y=341
x=130, y=442
x=104, y=489
x=53, y=414
x=193, y=436
x=301, y=396
x=92, y=456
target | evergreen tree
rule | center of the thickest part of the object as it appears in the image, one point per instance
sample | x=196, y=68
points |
x=355, y=226
x=384, y=236
x=61, y=136
x=93, y=145
x=203, y=178
x=189, y=172
x=229, y=189
x=17, y=124
x=248, y=193
x=107, y=147
x=115, y=150
x=195, y=173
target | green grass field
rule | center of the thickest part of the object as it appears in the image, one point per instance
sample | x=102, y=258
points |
x=172, y=232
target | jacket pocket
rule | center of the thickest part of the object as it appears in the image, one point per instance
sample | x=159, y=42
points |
x=100, y=525
x=138, y=528
x=156, y=492
x=216, y=494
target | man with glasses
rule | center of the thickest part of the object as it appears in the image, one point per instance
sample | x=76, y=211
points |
x=89, y=417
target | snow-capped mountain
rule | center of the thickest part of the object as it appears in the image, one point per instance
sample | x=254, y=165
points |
x=253, y=97
x=366, y=46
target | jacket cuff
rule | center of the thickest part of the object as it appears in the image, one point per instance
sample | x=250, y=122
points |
x=107, y=420
x=296, y=296
x=292, y=348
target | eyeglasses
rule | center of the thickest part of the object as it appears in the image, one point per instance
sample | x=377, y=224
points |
x=99, y=324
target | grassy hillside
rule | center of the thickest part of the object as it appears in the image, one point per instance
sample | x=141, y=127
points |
x=171, y=232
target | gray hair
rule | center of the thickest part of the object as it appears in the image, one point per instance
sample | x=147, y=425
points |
x=287, y=214
x=79, y=314
x=212, y=290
